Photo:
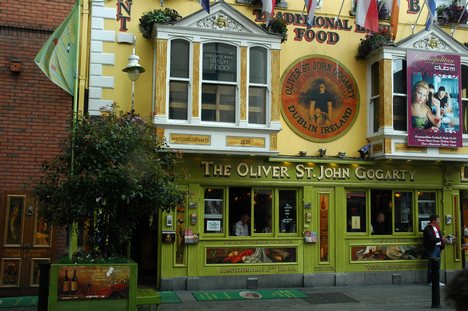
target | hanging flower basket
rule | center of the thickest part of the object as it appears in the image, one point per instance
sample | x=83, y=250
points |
x=371, y=42
x=277, y=26
x=159, y=16
x=449, y=14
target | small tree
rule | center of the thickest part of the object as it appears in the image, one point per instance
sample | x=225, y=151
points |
x=117, y=175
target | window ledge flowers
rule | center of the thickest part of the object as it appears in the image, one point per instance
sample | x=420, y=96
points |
x=159, y=16
x=371, y=42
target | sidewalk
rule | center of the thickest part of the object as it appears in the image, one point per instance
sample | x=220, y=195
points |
x=376, y=298
x=353, y=298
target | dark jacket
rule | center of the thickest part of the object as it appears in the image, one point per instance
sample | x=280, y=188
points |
x=429, y=238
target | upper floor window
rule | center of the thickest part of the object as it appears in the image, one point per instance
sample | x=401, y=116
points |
x=375, y=96
x=258, y=85
x=464, y=97
x=179, y=78
x=399, y=95
x=219, y=83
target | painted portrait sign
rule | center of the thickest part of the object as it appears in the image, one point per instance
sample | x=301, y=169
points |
x=319, y=98
x=434, y=100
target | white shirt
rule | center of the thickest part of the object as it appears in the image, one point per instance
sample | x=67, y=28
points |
x=241, y=229
x=437, y=235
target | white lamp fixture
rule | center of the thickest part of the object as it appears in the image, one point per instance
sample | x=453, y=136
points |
x=322, y=152
x=133, y=69
x=341, y=154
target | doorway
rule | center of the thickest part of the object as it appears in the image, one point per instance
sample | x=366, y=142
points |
x=143, y=250
x=464, y=226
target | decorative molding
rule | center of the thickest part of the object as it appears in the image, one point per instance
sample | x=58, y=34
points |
x=220, y=21
x=432, y=43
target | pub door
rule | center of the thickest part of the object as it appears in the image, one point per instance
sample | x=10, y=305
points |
x=26, y=241
x=144, y=251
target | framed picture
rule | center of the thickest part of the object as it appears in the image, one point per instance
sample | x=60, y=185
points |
x=14, y=220
x=35, y=270
x=464, y=174
x=10, y=272
x=42, y=232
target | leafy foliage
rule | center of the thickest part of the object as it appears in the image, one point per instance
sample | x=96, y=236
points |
x=371, y=42
x=278, y=26
x=122, y=175
x=159, y=16
x=450, y=14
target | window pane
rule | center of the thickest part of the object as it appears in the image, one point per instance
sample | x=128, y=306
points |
x=179, y=59
x=258, y=65
x=257, y=105
x=262, y=211
x=219, y=62
x=218, y=103
x=426, y=208
x=214, y=210
x=399, y=76
x=356, y=211
x=403, y=201
x=375, y=79
x=287, y=211
x=376, y=121
x=399, y=113
x=381, y=211
x=464, y=96
x=240, y=203
x=178, y=100
x=465, y=116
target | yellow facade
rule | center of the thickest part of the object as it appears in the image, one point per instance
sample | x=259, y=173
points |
x=276, y=153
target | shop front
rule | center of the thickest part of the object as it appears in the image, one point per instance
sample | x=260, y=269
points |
x=308, y=222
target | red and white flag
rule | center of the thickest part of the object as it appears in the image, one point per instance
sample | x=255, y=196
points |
x=269, y=9
x=367, y=15
x=310, y=5
x=394, y=20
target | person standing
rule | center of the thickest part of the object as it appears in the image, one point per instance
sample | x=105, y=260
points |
x=433, y=242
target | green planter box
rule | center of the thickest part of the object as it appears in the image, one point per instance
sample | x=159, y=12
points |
x=93, y=287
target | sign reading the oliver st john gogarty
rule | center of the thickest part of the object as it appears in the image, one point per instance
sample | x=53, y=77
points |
x=319, y=98
x=434, y=100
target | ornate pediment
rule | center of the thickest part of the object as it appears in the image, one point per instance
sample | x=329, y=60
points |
x=432, y=43
x=220, y=21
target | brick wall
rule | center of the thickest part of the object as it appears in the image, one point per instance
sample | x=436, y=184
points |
x=35, y=114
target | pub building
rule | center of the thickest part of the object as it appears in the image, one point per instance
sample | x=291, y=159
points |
x=292, y=148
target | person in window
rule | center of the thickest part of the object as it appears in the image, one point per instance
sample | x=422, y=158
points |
x=433, y=242
x=380, y=226
x=421, y=115
x=242, y=226
x=321, y=105
x=267, y=228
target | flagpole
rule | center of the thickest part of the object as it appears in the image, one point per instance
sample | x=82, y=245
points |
x=75, y=87
x=414, y=25
x=459, y=19
x=339, y=12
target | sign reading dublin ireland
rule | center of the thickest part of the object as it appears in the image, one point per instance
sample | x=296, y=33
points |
x=319, y=98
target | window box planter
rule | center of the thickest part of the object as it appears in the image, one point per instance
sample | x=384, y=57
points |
x=105, y=286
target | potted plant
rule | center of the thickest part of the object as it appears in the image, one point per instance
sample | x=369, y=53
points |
x=277, y=26
x=371, y=42
x=451, y=14
x=158, y=16
x=112, y=175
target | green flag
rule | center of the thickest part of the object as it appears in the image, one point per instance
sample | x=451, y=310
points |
x=58, y=57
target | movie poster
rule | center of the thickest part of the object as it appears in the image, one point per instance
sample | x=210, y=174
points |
x=434, y=100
